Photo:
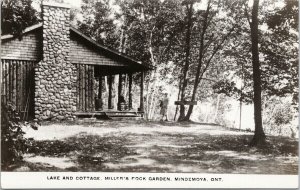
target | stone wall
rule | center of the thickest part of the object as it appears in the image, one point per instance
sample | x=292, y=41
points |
x=55, y=92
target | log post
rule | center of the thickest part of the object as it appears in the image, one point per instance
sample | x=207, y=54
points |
x=119, y=90
x=142, y=92
x=110, y=92
x=100, y=88
x=129, y=92
x=100, y=104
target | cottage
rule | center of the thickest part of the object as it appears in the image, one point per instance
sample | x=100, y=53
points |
x=50, y=73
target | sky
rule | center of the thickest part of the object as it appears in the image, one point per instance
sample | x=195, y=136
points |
x=74, y=3
x=201, y=5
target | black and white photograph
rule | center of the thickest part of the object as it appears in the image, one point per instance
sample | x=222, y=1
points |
x=150, y=87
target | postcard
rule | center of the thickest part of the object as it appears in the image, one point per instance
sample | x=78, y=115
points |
x=149, y=94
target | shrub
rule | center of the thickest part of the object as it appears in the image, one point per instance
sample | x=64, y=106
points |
x=280, y=116
x=13, y=143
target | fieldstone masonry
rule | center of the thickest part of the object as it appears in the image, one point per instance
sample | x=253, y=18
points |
x=55, y=89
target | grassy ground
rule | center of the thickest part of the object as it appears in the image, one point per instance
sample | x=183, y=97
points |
x=138, y=146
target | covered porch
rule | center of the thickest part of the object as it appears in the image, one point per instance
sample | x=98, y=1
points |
x=106, y=91
x=105, y=79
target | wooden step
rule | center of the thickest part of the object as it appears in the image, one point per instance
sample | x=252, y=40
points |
x=126, y=118
x=122, y=115
x=109, y=114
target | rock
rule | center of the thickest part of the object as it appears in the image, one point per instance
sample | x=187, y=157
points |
x=44, y=117
x=60, y=117
x=48, y=112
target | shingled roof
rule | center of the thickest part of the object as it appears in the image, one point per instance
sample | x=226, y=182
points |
x=113, y=54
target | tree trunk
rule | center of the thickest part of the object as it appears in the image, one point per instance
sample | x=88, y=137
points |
x=178, y=96
x=147, y=100
x=201, y=71
x=151, y=86
x=152, y=104
x=217, y=108
x=259, y=135
x=197, y=77
x=187, y=60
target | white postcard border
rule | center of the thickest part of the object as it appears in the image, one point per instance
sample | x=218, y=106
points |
x=16, y=180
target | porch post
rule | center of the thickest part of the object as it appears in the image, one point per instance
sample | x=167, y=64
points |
x=119, y=90
x=100, y=93
x=142, y=92
x=110, y=92
x=129, y=91
x=100, y=88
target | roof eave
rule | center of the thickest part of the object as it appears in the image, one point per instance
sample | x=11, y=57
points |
x=26, y=30
x=101, y=46
x=121, y=55
x=138, y=63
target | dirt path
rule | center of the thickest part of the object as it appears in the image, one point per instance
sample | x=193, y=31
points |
x=155, y=147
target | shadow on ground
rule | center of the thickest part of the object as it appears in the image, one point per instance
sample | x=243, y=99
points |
x=160, y=149
x=82, y=152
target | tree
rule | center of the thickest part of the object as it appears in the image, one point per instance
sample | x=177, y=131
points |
x=259, y=135
x=152, y=38
x=98, y=23
x=280, y=49
x=16, y=16
x=214, y=31
x=278, y=59
x=189, y=23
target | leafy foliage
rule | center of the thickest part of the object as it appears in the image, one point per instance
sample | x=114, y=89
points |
x=281, y=115
x=16, y=15
x=151, y=30
x=13, y=143
x=280, y=49
x=97, y=22
x=285, y=18
x=278, y=46
x=12, y=140
x=225, y=87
